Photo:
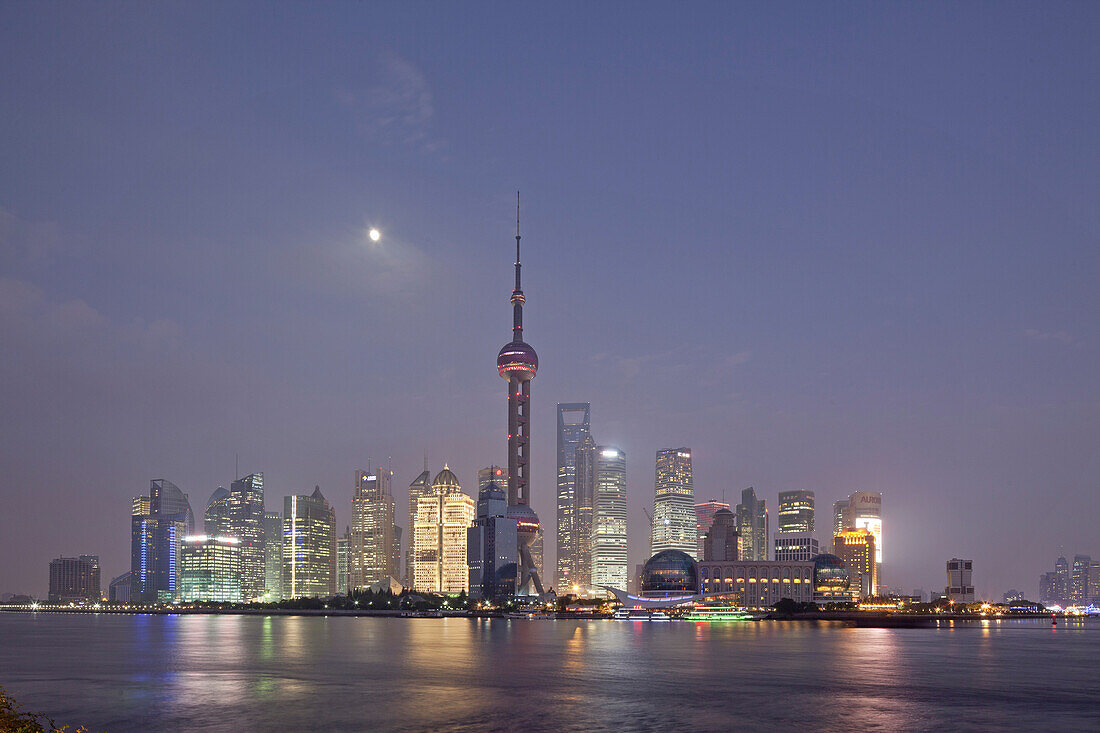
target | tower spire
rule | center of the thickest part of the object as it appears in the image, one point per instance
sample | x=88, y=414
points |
x=517, y=294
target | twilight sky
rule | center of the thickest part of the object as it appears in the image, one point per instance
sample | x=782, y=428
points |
x=830, y=246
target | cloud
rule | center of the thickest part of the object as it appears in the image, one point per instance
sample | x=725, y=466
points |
x=1033, y=334
x=397, y=108
x=25, y=243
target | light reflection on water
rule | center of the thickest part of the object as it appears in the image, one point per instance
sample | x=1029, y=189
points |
x=125, y=673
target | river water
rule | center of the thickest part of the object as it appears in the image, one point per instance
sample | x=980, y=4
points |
x=241, y=673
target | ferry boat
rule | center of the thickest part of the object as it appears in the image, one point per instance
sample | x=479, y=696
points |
x=530, y=615
x=718, y=614
x=636, y=614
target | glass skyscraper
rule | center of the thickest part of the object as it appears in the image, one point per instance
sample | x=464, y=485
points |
x=491, y=546
x=245, y=513
x=309, y=546
x=157, y=527
x=752, y=524
x=273, y=556
x=796, y=511
x=573, y=428
x=674, y=523
x=704, y=517
x=210, y=569
x=584, y=492
x=421, y=486
x=609, y=557
x=374, y=545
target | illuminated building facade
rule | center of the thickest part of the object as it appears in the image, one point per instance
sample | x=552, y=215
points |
x=342, y=562
x=796, y=511
x=840, y=516
x=759, y=583
x=442, y=520
x=584, y=494
x=273, y=556
x=1079, y=580
x=489, y=475
x=245, y=509
x=801, y=546
x=155, y=536
x=210, y=569
x=421, y=486
x=215, y=519
x=573, y=427
x=75, y=579
x=960, y=581
x=752, y=524
x=865, y=512
x=609, y=557
x=375, y=544
x=491, y=546
x=674, y=524
x=704, y=515
x=309, y=546
x=722, y=542
x=856, y=547
x=518, y=363
x=832, y=580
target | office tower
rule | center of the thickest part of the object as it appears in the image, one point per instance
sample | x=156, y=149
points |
x=704, y=515
x=245, y=510
x=374, y=547
x=273, y=556
x=1093, y=588
x=674, y=525
x=215, y=519
x=584, y=491
x=752, y=524
x=1065, y=585
x=75, y=579
x=856, y=547
x=119, y=589
x=490, y=475
x=1048, y=589
x=442, y=520
x=960, y=583
x=518, y=363
x=609, y=557
x=796, y=511
x=155, y=537
x=796, y=546
x=421, y=486
x=210, y=569
x=865, y=512
x=342, y=562
x=1079, y=580
x=722, y=543
x=573, y=428
x=309, y=546
x=840, y=516
x=492, y=546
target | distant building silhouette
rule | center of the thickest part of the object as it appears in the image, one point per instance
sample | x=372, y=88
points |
x=74, y=579
x=752, y=524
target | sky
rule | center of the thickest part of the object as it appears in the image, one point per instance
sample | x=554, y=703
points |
x=834, y=246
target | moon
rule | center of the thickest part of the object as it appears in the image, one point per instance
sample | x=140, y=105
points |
x=374, y=235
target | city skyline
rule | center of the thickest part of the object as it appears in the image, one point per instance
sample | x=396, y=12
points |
x=866, y=266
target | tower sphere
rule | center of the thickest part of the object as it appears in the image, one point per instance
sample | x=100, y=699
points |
x=519, y=359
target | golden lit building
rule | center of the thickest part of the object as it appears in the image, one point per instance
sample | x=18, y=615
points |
x=856, y=547
x=309, y=546
x=439, y=531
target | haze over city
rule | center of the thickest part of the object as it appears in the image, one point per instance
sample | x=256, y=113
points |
x=844, y=248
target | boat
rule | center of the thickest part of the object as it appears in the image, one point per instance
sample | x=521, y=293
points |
x=718, y=613
x=637, y=614
x=530, y=615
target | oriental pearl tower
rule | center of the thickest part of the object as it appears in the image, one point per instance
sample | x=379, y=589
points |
x=517, y=362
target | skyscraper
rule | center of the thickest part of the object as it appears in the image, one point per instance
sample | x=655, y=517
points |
x=442, y=520
x=674, y=524
x=722, y=543
x=609, y=557
x=1079, y=580
x=840, y=516
x=343, y=543
x=216, y=516
x=374, y=545
x=490, y=475
x=492, y=546
x=752, y=524
x=704, y=516
x=309, y=546
x=210, y=569
x=421, y=486
x=796, y=546
x=960, y=582
x=1064, y=584
x=273, y=556
x=517, y=362
x=155, y=537
x=856, y=547
x=865, y=512
x=584, y=491
x=245, y=513
x=75, y=579
x=796, y=511
x=573, y=428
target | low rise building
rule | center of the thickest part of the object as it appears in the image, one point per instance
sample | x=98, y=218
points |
x=759, y=583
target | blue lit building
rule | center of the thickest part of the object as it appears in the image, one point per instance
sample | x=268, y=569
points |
x=157, y=527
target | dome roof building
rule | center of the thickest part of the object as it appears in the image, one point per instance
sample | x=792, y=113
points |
x=669, y=573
